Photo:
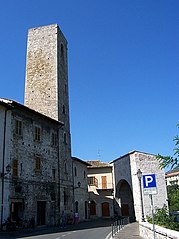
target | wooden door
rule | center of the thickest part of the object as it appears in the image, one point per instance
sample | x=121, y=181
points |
x=125, y=209
x=105, y=209
x=104, y=182
x=92, y=208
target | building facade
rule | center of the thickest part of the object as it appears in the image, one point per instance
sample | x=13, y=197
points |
x=100, y=188
x=81, y=196
x=172, y=177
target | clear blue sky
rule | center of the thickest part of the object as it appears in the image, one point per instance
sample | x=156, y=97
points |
x=123, y=69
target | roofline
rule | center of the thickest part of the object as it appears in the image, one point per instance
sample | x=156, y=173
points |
x=81, y=161
x=167, y=175
x=110, y=166
x=12, y=103
x=128, y=154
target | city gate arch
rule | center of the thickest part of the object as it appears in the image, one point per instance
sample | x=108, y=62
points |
x=124, y=200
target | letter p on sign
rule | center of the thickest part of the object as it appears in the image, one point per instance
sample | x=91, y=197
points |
x=149, y=181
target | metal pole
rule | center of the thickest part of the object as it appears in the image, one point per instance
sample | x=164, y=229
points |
x=153, y=222
x=141, y=198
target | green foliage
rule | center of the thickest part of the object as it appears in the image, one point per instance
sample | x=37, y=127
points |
x=172, y=161
x=173, y=197
x=162, y=218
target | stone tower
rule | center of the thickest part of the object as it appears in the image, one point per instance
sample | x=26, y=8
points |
x=46, y=91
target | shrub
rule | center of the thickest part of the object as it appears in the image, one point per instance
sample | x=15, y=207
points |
x=162, y=218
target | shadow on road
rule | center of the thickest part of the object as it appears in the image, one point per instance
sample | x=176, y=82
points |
x=50, y=230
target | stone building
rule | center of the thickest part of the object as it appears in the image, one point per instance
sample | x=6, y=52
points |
x=127, y=187
x=100, y=188
x=32, y=188
x=81, y=197
x=35, y=137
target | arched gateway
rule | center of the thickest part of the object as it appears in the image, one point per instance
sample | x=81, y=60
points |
x=124, y=200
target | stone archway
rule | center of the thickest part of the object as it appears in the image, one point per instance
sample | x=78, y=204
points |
x=124, y=199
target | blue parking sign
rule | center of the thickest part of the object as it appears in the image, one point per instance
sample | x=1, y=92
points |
x=149, y=184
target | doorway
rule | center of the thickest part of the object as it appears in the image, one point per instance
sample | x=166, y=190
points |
x=92, y=208
x=41, y=213
x=86, y=210
x=105, y=209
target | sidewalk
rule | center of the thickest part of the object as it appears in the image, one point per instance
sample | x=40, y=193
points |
x=130, y=231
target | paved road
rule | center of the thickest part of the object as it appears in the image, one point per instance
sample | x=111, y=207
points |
x=88, y=230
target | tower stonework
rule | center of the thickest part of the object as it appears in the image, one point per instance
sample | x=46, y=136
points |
x=46, y=91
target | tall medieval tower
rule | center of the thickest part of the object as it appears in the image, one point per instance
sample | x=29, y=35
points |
x=46, y=91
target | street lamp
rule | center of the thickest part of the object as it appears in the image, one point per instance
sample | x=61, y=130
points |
x=3, y=174
x=8, y=169
x=139, y=175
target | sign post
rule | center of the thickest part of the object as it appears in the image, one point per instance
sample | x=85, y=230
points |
x=150, y=188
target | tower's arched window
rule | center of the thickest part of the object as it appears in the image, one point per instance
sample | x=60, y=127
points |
x=75, y=172
x=65, y=168
x=65, y=138
x=62, y=51
x=64, y=111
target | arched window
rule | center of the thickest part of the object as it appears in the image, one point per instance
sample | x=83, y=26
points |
x=65, y=168
x=75, y=171
x=65, y=138
x=64, y=111
x=62, y=51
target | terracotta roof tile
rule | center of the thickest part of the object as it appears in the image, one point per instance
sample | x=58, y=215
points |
x=97, y=164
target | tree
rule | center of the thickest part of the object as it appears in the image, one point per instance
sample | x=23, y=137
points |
x=173, y=197
x=172, y=161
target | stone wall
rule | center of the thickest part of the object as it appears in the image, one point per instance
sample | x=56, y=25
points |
x=5, y=140
x=146, y=231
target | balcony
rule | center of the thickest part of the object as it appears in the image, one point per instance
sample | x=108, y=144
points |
x=92, y=181
x=105, y=186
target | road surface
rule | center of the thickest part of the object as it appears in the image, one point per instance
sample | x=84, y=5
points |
x=88, y=230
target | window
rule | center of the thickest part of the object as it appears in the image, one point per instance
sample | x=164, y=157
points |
x=65, y=197
x=92, y=181
x=18, y=127
x=62, y=51
x=84, y=175
x=37, y=132
x=65, y=168
x=65, y=138
x=54, y=139
x=66, y=88
x=75, y=172
x=53, y=173
x=64, y=110
x=15, y=168
x=37, y=162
